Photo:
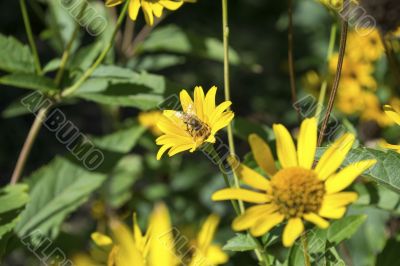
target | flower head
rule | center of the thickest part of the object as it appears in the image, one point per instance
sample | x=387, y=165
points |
x=149, y=120
x=151, y=8
x=296, y=191
x=197, y=123
x=206, y=252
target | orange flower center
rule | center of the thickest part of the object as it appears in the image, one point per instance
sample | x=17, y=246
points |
x=297, y=191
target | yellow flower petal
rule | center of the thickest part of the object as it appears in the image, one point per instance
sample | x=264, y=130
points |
x=157, y=9
x=285, y=147
x=171, y=5
x=177, y=149
x=346, y=176
x=240, y=194
x=340, y=199
x=162, y=150
x=392, y=113
x=210, y=101
x=223, y=121
x=332, y=213
x=265, y=223
x=262, y=154
x=101, y=240
x=110, y=3
x=219, y=110
x=334, y=156
x=207, y=231
x=307, y=143
x=315, y=219
x=128, y=254
x=383, y=144
x=148, y=13
x=199, y=102
x=251, y=216
x=215, y=255
x=186, y=101
x=133, y=9
x=292, y=231
x=249, y=176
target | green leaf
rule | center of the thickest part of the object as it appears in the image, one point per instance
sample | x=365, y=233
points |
x=386, y=171
x=29, y=81
x=186, y=43
x=117, y=189
x=57, y=189
x=240, y=242
x=14, y=56
x=118, y=86
x=52, y=65
x=13, y=199
x=155, y=62
x=344, y=228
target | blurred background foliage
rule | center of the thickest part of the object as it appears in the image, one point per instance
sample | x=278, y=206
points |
x=185, y=50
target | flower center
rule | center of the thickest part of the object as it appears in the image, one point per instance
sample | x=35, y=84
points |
x=297, y=191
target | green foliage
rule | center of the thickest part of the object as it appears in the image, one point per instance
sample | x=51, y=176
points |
x=15, y=56
x=240, y=242
x=29, y=81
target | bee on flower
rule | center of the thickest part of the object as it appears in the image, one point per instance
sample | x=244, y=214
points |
x=296, y=191
x=197, y=123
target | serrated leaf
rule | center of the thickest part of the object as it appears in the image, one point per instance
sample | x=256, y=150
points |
x=240, y=242
x=344, y=228
x=386, y=171
x=57, y=189
x=13, y=199
x=15, y=56
x=29, y=81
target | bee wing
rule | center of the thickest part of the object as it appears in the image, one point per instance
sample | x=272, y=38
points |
x=179, y=115
x=191, y=109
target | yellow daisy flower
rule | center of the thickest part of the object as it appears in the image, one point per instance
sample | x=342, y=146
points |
x=297, y=191
x=349, y=97
x=151, y=8
x=207, y=253
x=197, y=123
x=149, y=120
x=365, y=45
x=372, y=110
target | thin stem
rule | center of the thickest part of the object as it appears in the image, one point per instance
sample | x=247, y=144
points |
x=304, y=243
x=69, y=91
x=67, y=51
x=31, y=40
x=30, y=139
x=342, y=49
x=324, y=85
x=291, y=61
x=225, y=30
x=128, y=35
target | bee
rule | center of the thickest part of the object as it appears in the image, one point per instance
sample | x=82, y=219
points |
x=194, y=126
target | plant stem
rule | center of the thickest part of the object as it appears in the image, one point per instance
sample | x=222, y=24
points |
x=291, y=61
x=304, y=243
x=225, y=32
x=67, y=51
x=69, y=91
x=31, y=40
x=324, y=85
x=342, y=50
x=33, y=132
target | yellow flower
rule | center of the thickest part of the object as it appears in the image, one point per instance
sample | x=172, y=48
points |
x=365, y=44
x=149, y=120
x=296, y=192
x=349, y=98
x=197, y=124
x=354, y=70
x=394, y=115
x=150, y=8
x=372, y=110
x=335, y=5
x=207, y=253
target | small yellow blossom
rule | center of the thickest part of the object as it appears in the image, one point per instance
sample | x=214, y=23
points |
x=149, y=120
x=349, y=97
x=365, y=45
x=197, y=123
x=297, y=191
x=207, y=253
x=151, y=8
